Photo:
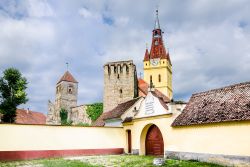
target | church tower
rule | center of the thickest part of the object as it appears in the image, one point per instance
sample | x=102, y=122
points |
x=66, y=98
x=157, y=64
x=66, y=92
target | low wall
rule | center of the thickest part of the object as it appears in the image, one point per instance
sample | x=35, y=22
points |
x=40, y=141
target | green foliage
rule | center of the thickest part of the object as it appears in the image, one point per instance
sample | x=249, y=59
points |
x=12, y=93
x=64, y=117
x=94, y=110
x=82, y=124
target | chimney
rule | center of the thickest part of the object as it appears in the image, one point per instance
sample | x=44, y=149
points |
x=27, y=111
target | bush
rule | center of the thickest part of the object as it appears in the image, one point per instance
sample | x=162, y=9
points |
x=94, y=110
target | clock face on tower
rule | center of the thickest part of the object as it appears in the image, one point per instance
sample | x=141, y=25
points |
x=154, y=62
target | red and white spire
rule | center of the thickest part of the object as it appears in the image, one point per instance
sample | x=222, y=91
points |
x=157, y=46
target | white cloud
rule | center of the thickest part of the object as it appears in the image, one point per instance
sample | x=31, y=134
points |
x=208, y=40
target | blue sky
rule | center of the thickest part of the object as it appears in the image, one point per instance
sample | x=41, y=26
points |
x=209, y=42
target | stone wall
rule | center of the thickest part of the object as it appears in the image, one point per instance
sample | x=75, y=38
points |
x=120, y=83
x=79, y=115
x=66, y=97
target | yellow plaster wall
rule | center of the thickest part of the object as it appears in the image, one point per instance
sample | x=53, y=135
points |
x=35, y=137
x=165, y=70
x=222, y=138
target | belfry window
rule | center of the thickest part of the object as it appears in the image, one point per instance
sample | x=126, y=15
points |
x=70, y=89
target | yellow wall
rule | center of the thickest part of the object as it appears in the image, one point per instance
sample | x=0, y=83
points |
x=35, y=137
x=223, y=138
x=163, y=69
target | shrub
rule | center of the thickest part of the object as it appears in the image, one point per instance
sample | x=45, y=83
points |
x=94, y=110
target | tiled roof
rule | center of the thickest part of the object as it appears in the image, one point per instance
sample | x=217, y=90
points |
x=231, y=103
x=29, y=117
x=116, y=112
x=146, y=56
x=143, y=91
x=67, y=77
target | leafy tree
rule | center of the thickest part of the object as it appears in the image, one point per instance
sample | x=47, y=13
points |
x=12, y=93
x=94, y=110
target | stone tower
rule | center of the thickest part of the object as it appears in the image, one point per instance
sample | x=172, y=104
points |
x=120, y=83
x=66, y=98
x=157, y=64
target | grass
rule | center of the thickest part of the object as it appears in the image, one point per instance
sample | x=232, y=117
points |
x=105, y=161
x=47, y=163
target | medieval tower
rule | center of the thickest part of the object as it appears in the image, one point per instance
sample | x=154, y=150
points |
x=157, y=64
x=66, y=98
x=120, y=83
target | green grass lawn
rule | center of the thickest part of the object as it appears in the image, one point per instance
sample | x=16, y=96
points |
x=104, y=161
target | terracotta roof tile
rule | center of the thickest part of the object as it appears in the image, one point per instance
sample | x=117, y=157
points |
x=143, y=91
x=116, y=112
x=146, y=56
x=29, y=117
x=231, y=103
x=67, y=76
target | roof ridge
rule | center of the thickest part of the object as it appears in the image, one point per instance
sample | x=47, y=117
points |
x=221, y=88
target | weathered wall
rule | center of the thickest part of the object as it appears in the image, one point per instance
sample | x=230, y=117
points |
x=120, y=83
x=81, y=140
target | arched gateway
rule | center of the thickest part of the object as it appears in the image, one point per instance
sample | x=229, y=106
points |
x=154, y=142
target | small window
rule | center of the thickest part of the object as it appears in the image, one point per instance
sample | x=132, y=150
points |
x=114, y=69
x=118, y=76
x=159, y=78
x=70, y=89
x=163, y=62
x=120, y=92
x=146, y=64
x=150, y=78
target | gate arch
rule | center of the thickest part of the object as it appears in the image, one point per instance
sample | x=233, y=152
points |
x=151, y=135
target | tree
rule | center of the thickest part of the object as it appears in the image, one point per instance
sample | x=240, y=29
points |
x=94, y=110
x=12, y=93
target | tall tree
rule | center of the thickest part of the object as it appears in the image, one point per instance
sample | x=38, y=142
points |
x=12, y=93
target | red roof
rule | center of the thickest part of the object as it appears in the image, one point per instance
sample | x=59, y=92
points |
x=67, y=76
x=116, y=112
x=143, y=91
x=157, y=47
x=29, y=117
x=146, y=56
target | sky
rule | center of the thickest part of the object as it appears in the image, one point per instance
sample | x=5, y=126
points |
x=208, y=42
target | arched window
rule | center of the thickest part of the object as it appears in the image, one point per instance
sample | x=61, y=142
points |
x=159, y=78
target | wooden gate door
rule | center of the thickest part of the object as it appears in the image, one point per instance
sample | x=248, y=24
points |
x=154, y=142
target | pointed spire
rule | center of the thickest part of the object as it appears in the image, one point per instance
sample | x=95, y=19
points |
x=157, y=22
x=146, y=56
